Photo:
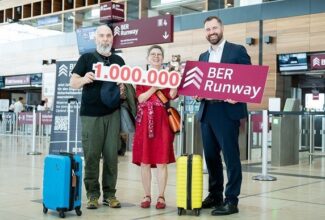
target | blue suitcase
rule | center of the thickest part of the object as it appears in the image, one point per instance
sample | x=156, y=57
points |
x=62, y=183
x=62, y=179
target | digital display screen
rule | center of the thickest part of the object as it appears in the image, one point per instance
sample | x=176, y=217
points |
x=292, y=62
x=36, y=79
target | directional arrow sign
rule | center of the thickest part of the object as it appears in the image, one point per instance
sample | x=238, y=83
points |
x=165, y=36
x=147, y=31
x=63, y=70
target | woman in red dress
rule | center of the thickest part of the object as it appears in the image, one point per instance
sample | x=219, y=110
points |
x=153, y=139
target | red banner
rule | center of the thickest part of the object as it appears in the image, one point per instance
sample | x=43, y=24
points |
x=146, y=31
x=26, y=118
x=46, y=118
x=243, y=83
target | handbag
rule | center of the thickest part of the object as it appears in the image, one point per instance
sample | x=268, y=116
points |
x=173, y=116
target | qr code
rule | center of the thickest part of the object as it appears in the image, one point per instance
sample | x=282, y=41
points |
x=61, y=123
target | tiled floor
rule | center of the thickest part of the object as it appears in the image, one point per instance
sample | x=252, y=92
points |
x=298, y=193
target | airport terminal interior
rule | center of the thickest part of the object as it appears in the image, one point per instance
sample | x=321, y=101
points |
x=282, y=141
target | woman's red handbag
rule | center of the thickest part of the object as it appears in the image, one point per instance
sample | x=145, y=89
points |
x=173, y=116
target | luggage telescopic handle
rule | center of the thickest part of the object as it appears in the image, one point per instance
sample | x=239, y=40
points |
x=72, y=100
x=66, y=154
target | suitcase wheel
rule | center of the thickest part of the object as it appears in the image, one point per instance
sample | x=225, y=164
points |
x=197, y=212
x=78, y=211
x=61, y=214
x=44, y=209
x=180, y=211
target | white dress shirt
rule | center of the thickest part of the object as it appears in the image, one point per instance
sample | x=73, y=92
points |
x=216, y=52
x=18, y=107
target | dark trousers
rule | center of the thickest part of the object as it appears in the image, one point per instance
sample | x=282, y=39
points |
x=101, y=137
x=220, y=133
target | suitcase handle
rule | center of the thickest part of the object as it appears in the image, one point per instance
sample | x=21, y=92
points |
x=66, y=154
x=72, y=100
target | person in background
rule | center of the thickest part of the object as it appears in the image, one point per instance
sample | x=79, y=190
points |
x=153, y=139
x=46, y=104
x=41, y=106
x=12, y=105
x=220, y=121
x=19, y=106
x=100, y=123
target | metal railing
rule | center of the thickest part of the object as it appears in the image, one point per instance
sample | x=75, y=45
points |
x=311, y=131
x=21, y=124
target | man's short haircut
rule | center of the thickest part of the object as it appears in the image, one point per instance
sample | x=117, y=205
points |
x=20, y=98
x=211, y=18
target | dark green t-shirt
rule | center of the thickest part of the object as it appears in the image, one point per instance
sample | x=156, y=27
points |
x=91, y=104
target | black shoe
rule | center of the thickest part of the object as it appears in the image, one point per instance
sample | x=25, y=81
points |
x=227, y=209
x=211, y=201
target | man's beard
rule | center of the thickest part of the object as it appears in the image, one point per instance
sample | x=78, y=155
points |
x=103, y=49
x=215, y=41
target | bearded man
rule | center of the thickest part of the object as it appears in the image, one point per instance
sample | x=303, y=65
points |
x=100, y=123
x=220, y=121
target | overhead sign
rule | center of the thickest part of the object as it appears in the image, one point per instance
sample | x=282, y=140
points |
x=147, y=31
x=242, y=83
x=111, y=11
x=137, y=76
x=317, y=61
x=17, y=80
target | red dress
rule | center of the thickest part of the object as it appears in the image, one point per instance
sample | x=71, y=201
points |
x=153, y=138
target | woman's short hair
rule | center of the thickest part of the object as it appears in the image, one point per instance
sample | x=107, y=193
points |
x=155, y=46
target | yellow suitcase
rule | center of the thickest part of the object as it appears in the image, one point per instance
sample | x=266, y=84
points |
x=189, y=183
